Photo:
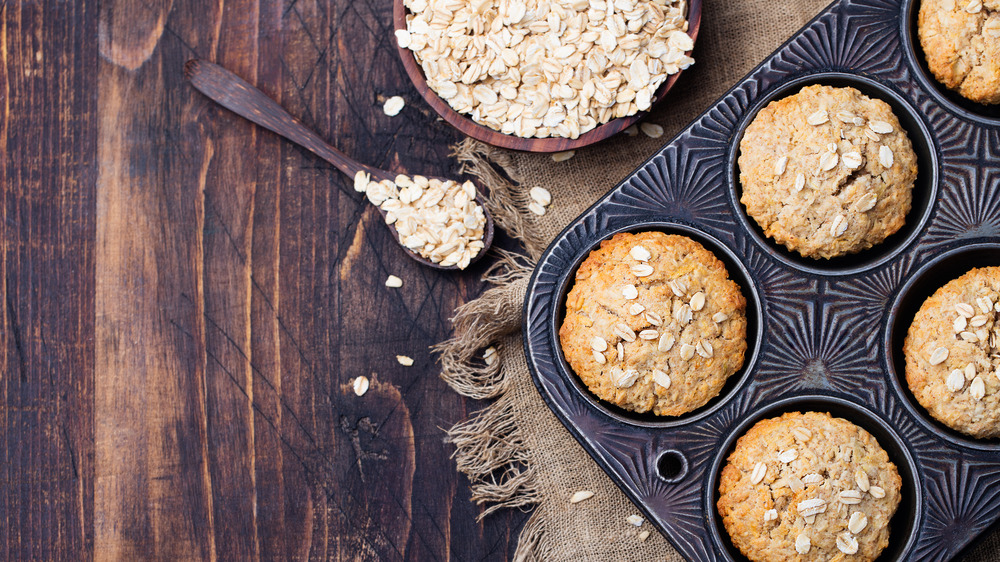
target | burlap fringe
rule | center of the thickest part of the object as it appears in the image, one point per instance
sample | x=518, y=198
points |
x=489, y=447
x=507, y=204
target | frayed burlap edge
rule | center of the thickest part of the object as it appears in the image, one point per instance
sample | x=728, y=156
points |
x=489, y=446
x=507, y=204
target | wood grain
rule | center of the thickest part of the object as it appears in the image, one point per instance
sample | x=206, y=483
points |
x=48, y=61
x=187, y=297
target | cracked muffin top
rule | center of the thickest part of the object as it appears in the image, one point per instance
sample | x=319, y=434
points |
x=961, y=42
x=827, y=171
x=653, y=323
x=808, y=486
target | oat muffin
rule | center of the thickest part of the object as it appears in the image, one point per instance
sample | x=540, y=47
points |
x=653, y=323
x=808, y=487
x=827, y=171
x=952, y=355
x=961, y=42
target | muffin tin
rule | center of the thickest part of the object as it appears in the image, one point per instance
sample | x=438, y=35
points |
x=822, y=335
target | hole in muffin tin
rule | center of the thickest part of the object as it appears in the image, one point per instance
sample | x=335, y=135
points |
x=737, y=272
x=924, y=188
x=672, y=466
x=904, y=525
x=929, y=278
x=950, y=99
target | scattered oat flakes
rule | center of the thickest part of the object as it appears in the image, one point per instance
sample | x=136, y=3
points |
x=720, y=317
x=758, y=473
x=643, y=536
x=563, y=156
x=876, y=492
x=540, y=195
x=360, y=385
x=404, y=360
x=649, y=334
x=393, y=282
x=536, y=208
x=636, y=309
x=635, y=519
x=393, y=106
x=652, y=130
x=687, y=351
x=632, y=130
x=578, y=497
x=490, y=355
x=788, y=456
x=770, y=515
x=828, y=161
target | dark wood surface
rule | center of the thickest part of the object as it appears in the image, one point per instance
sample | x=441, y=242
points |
x=187, y=297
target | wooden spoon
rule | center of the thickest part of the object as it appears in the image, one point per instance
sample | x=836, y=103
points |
x=235, y=94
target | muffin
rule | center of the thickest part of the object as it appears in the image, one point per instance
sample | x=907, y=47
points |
x=952, y=360
x=961, y=42
x=653, y=323
x=808, y=487
x=827, y=171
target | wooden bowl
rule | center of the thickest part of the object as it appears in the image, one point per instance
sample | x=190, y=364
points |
x=550, y=144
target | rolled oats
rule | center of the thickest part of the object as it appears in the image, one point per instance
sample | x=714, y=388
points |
x=393, y=106
x=578, y=497
x=535, y=69
x=661, y=378
x=857, y=522
x=438, y=220
x=360, y=385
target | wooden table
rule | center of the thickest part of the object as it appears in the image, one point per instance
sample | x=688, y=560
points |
x=187, y=297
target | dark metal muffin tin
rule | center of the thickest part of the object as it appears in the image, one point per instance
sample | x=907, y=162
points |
x=822, y=335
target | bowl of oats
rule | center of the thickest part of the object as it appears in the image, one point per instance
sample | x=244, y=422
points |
x=544, y=75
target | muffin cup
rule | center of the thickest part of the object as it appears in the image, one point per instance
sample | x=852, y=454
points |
x=928, y=279
x=924, y=188
x=903, y=525
x=737, y=272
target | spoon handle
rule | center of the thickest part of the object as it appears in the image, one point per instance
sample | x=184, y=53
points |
x=235, y=94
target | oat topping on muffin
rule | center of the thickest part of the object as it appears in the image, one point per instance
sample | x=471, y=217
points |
x=952, y=352
x=808, y=486
x=653, y=323
x=827, y=171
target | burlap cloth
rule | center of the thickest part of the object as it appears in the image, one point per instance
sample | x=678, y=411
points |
x=515, y=452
